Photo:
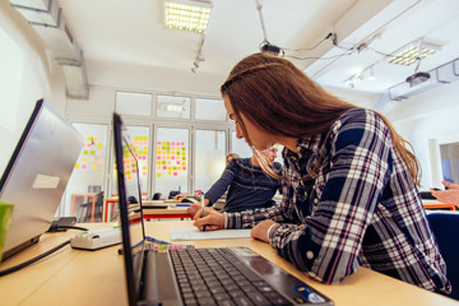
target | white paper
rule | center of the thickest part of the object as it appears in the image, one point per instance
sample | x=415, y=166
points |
x=192, y=233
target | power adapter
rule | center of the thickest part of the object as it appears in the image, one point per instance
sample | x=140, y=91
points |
x=97, y=239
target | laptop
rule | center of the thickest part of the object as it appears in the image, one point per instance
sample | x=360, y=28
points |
x=203, y=276
x=37, y=174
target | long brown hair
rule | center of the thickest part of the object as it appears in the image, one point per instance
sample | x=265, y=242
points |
x=278, y=97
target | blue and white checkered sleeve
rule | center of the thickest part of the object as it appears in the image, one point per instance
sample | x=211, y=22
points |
x=328, y=244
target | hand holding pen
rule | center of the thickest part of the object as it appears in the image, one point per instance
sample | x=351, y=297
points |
x=209, y=220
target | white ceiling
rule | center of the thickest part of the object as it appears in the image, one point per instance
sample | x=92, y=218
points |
x=120, y=32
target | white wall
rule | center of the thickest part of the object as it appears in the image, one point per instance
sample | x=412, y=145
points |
x=426, y=120
x=107, y=78
x=40, y=77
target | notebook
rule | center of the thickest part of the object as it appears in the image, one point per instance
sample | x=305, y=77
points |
x=37, y=175
x=204, y=276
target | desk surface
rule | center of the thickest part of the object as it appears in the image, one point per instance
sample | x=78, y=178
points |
x=75, y=277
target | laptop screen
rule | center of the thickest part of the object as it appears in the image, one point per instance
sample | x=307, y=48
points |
x=37, y=175
x=129, y=192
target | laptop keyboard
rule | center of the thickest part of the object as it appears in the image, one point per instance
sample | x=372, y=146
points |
x=215, y=276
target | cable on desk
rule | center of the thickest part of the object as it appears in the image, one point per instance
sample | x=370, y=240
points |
x=62, y=228
x=73, y=227
x=31, y=261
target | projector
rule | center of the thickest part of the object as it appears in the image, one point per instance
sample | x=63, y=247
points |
x=270, y=49
x=417, y=78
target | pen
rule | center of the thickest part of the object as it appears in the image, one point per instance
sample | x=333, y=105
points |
x=203, y=209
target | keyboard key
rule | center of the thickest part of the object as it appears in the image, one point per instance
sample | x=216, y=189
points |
x=217, y=277
x=258, y=299
x=243, y=301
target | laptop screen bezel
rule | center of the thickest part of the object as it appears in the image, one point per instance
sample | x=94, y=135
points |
x=133, y=277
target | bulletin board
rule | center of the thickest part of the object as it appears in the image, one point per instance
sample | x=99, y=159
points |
x=91, y=157
x=140, y=148
x=171, y=158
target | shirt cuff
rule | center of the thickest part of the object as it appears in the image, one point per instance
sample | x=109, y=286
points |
x=225, y=217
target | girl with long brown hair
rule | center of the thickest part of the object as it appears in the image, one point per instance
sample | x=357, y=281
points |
x=349, y=194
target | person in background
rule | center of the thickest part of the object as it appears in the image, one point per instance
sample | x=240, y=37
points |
x=249, y=186
x=350, y=193
x=450, y=196
x=230, y=157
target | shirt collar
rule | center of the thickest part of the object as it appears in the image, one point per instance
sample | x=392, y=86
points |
x=306, y=146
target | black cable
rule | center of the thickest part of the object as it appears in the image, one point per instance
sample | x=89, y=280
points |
x=62, y=228
x=349, y=52
x=31, y=261
x=311, y=48
x=73, y=227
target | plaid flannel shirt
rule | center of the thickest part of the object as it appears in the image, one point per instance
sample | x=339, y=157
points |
x=360, y=208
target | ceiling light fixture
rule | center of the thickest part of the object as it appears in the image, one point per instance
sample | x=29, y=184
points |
x=360, y=76
x=411, y=53
x=199, y=57
x=188, y=15
x=172, y=107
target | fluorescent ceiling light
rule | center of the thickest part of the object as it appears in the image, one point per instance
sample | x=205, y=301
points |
x=190, y=16
x=410, y=54
x=172, y=107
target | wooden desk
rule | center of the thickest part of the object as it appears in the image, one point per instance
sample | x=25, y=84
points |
x=75, y=277
x=433, y=204
x=163, y=213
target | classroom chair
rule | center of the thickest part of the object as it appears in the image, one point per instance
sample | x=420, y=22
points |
x=157, y=196
x=85, y=214
x=445, y=226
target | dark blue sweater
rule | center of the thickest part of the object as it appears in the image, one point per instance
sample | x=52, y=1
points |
x=250, y=187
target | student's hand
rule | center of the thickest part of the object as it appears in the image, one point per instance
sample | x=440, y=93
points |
x=213, y=220
x=260, y=231
x=193, y=209
x=450, y=185
x=450, y=196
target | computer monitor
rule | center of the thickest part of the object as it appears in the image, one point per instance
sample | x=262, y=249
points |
x=37, y=175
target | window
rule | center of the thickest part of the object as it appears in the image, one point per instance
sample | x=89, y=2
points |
x=239, y=146
x=208, y=109
x=140, y=140
x=172, y=160
x=173, y=107
x=89, y=173
x=210, y=157
x=450, y=162
x=129, y=103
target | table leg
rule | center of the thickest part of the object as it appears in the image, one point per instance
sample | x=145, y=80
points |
x=93, y=207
